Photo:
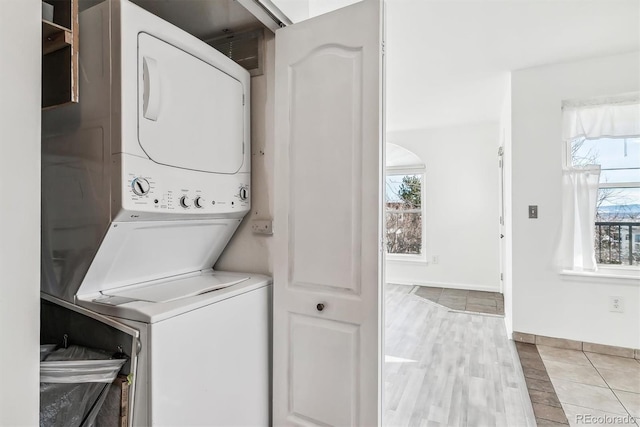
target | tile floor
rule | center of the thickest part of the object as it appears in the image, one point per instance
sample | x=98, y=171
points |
x=460, y=299
x=591, y=388
x=546, y=405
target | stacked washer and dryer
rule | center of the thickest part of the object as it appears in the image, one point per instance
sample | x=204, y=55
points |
x=145, y=181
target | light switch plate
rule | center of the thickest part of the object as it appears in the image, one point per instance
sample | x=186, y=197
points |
x=533, y=211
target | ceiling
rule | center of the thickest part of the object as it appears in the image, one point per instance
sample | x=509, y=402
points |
x=448, y=60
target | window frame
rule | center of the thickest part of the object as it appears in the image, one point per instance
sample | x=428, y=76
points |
x=608, y=268
x=403, y=171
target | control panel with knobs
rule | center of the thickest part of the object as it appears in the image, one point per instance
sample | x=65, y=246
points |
x=149, y=192
x=146, y=193
x=140, y=186
x=244, y=193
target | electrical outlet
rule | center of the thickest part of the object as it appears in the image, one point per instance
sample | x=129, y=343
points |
x=616, y=304
x=262, y=226
x=435, y=259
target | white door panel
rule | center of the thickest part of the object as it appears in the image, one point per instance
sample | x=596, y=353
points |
x=333, y=153
x=328, y=341
x=328, y=219
x=184, y=124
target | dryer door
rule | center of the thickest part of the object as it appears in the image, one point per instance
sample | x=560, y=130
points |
x=190, y=114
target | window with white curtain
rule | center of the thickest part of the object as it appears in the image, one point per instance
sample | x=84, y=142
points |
x=404, y=206
x=601, y=183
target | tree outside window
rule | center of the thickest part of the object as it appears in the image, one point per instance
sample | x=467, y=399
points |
x=404, y=214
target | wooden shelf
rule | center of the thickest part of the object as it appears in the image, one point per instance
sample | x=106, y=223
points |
x=55, y=37
x=60, y=64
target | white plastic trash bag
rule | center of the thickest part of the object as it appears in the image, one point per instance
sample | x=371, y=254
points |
x=73, y=384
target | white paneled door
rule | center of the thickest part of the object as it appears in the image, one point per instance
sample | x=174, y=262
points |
x=328, y=220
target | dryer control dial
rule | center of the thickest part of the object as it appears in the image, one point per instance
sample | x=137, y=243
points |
x=140, y=186
x=185, y=202
x=244, y=193
x=198, y=202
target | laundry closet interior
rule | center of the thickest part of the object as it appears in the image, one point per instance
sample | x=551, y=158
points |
x=159, y=169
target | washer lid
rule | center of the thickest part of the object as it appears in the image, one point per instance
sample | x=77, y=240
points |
x=140, y=253
x=150, y=312
x=190, y=113
x=172, y=290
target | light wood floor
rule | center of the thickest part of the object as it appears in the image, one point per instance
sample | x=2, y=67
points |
x=446, y=368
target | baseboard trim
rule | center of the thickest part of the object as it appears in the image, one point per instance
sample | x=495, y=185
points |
x=610, y=350
x=447, y=285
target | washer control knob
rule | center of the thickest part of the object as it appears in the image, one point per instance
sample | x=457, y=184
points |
x=140, y=186
x=185, y=202
x=198, y=202
x=244, y=193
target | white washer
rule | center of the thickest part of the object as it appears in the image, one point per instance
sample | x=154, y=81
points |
x=145, y=180
x=205, y=358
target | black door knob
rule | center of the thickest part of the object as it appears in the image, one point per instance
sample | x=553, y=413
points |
x=320, y=307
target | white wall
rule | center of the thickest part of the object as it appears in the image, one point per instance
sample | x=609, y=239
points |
x=296, y=10
x=461, y=199
x=249, y=252
x=20, y=56
x=544, y=302
x=320, y=7
x=300, y=10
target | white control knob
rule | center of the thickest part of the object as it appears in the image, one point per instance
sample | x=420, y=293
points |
x=244, y=193
x=185, y=202
x=140, y=186
x=198, y=202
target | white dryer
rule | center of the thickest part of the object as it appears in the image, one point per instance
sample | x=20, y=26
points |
x=144, y=183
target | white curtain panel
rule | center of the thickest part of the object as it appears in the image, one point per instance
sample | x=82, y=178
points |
x=580, y=198
x=607, y=117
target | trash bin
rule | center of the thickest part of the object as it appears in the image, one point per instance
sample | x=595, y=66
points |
x=74, y=382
